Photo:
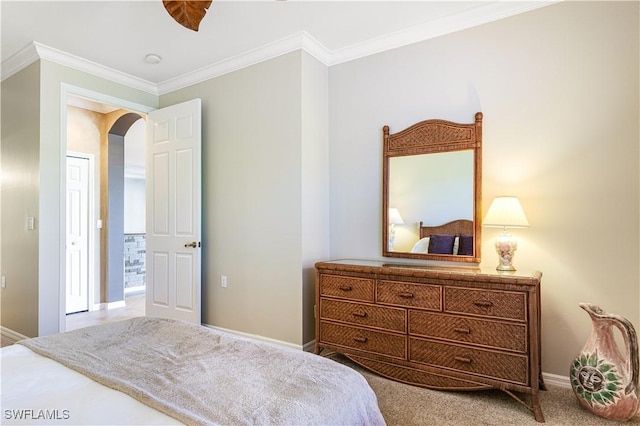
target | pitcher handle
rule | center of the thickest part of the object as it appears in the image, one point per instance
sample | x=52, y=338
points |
x=631, y=344
x=630, y=341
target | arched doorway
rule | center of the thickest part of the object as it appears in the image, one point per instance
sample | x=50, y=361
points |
x=118, y=236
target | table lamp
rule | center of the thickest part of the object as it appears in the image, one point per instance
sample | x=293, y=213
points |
x=394, y=219
x=506, y=212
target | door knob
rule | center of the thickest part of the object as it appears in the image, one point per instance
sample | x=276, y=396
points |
x=192, y=244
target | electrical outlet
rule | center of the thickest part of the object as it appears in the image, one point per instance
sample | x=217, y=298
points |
x=223, y=281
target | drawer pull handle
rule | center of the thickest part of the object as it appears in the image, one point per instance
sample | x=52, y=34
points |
x=463, y=359
x=463, y=330
x=406, y=295
x=360, y=339
x=360, y=314
x=483, y=303
x=345, y=288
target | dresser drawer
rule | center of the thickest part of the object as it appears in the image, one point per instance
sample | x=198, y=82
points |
x=486, y=303
x=411, y=295
x=486, y=363
x=365, y=340
x=394, y=319
x=500, y=335
x=347, y=287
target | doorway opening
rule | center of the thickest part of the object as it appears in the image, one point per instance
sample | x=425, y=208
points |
x=114, y=214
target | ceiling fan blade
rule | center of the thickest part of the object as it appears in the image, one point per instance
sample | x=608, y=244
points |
x=187, y=13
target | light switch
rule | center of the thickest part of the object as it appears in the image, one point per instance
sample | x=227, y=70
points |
x=99, y=223
x=31, y=223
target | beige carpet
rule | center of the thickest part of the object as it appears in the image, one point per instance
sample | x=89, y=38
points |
x=410, y=405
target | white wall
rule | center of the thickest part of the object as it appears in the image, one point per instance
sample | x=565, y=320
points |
x=134, y=179
x=134, y=205
x=559, y=89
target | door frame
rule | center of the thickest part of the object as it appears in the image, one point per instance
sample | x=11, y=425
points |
x=92, y=230
x=65, y=91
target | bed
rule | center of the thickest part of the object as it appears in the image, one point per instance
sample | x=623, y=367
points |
x=455, y=238
x=159, y=371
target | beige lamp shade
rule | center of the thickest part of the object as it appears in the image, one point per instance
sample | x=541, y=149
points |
x=506, y=212
x=394, y=217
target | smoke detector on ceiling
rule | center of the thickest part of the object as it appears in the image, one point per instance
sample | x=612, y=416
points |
x=152, y=58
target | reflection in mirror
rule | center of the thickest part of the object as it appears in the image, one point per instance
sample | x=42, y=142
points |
x=430, y=188
x=432, y=181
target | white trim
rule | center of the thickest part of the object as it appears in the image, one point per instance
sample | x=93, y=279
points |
x=67, y=89
x=91, y=220
x=556, y=380
x=268, y=51
x=116, y=305
x=255, y=337
x=10, y=334
x=476, y=16
x=19, y=60
x=309, y=346
x=482, y=14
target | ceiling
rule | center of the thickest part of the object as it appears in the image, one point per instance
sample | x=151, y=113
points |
x=116, y=35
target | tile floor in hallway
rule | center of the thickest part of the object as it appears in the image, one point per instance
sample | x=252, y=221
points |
x=134, y=308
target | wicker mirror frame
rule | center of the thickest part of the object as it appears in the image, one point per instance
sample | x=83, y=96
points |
x=428, y=137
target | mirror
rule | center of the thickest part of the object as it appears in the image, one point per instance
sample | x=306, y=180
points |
x=431, y=192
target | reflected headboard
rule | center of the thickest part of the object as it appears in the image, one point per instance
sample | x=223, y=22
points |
x=455, y=228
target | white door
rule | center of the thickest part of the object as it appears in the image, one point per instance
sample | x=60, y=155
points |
x=173, y=178
x=77, y=243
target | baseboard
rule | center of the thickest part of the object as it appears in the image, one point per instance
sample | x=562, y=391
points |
x=256, y=337
x=556, y=380
x=309, y=346
x=10, y=334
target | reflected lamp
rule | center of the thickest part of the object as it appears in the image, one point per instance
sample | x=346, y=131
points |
x=394, y=219
x=506, y=212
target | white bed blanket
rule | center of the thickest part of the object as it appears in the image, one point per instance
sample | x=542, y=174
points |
x=39, y=391
x=202, y=376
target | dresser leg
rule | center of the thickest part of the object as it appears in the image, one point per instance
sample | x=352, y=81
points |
x=535, y=407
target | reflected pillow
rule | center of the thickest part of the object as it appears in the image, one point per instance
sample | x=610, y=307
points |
x=465, y=246
x=422, y=246
x=441, y=244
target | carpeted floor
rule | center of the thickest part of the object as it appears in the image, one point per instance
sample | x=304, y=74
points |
x=405, y=405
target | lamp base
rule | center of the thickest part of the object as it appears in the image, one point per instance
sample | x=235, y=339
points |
x=506, y=245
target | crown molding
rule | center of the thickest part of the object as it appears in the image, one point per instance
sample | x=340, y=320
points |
x=35, y=51
x=19, y=60
x=476, y=16
x=479, y=15
x=298, y=41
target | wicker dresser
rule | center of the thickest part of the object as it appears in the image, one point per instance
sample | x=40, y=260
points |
x=441, y=328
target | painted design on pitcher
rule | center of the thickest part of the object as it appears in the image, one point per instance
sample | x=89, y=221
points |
x=605, y=379
x=596, y=380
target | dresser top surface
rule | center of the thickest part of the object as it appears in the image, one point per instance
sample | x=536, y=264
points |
x=434, y=271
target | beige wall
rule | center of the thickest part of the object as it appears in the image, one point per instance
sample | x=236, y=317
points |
x=559, y=89
x=20, y=183
x=262, y=126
